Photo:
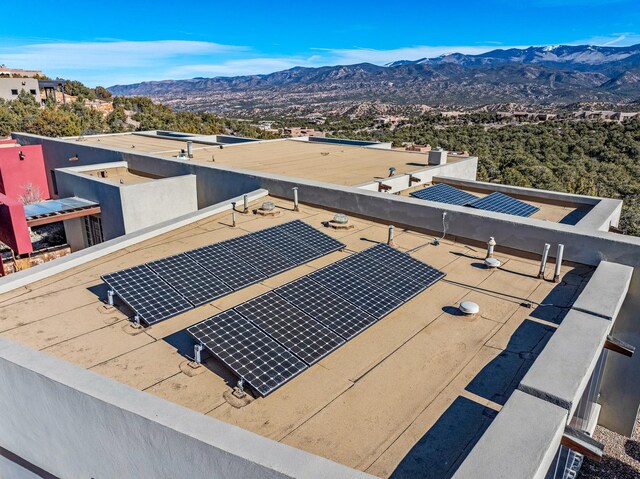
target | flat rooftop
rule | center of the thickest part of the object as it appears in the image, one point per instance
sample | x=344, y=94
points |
x=339, y=164
x=418, y=387
x=120, y=175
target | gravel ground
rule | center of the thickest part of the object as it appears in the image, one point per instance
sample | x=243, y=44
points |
x=621, y=459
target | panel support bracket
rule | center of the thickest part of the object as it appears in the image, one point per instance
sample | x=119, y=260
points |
x=582, y=443
x=619, y=346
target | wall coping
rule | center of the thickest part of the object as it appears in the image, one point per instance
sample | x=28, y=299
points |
x=45, y=270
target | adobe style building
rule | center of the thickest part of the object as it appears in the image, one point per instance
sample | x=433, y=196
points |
x=10, y=88
x=315, y=308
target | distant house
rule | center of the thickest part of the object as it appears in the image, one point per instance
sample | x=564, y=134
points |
x=10, y=88
x=298, y=131
x=7, y=72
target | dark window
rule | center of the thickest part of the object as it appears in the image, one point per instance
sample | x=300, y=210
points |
x=33, y=92
x=93, y=229
x=53, y=182
x=14, y=92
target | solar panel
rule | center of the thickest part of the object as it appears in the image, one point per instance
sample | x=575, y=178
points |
x=501, y=203
x=225, y=265
x=147, y=294
x=356, y=290
x=190, y=279
x=444, y=193
x=287, y=246
x=404, y=264
x=300, y=334
x=389, y=280
x=247, y=351
x=309, y=235
x=326, y=307
x=259, y=255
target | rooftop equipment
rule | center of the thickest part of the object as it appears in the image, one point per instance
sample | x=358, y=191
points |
x=340, y=221
x=543, y=261
x=469, y=308
x=491, y=244
x=437, y=156
x=492, y=263
x=296, y=206
x=556, y=274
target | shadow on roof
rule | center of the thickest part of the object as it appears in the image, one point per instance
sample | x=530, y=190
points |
x=575, y=216
x=442, y=449
x=498, y=379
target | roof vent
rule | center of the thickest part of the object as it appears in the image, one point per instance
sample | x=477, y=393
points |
x=340, y=221
x=492, y=263
x=340, y=218
x=469, y=308
x=268, y=208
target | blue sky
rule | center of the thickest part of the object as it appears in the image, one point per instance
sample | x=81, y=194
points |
x=120, y=42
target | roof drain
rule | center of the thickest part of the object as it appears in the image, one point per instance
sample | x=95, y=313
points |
x=469, y=308
x=340, y=221
x=268, y=208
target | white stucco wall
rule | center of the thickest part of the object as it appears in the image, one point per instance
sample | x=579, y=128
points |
x=74, y=423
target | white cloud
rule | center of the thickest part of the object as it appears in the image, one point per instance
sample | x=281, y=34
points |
x=614, y=40
x=107, y=54
x=248, y=66
x=380, y=57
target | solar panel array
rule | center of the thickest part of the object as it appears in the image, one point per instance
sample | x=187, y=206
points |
x=169, y=286
x=496, y=201
x=313, y=315
x=246, y=349
x=501, y=203
x=189, y=279
x=147, y=294
x=444, y=193
x=298, y=332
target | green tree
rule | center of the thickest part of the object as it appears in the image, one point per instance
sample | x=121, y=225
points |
x=53, y=123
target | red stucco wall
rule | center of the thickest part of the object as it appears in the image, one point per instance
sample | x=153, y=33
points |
x=16, y=174
x=13, y=226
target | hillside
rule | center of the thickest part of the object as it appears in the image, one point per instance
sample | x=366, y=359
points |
x=537, y=75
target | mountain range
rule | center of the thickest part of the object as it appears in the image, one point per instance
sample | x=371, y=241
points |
x=551, y=75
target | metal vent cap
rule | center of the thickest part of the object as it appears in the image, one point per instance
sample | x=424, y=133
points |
x=340, y=218
x=469, y=307
x=492, y=263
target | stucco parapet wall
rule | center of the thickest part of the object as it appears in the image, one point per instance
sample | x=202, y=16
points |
x=99, y=166
x=603, y=213
x=562, y=371
x=523, y=234
x=464, y=168
x=604, y=294
x=521, y=442
x=45, y=270
x=93, y=426
x=77, y=171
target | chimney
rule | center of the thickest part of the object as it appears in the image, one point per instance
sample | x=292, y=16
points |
x=437, y=156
